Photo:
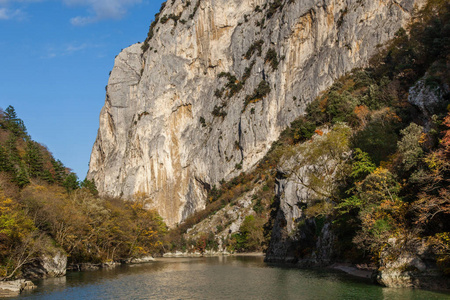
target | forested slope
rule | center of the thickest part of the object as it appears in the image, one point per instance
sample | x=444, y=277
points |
x=47, y=216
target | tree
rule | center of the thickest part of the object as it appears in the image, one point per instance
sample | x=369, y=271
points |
x=379, y=137
x=409, y=146
x=362, y=165
x=22, y=178
x=381, y=211
x=89, y=185
x=434, y=198
x=60, y=172
x=71, y=182
x=34, y=159
x=5, y=163
x=18, y=235
x=252, y=231
x=147, y=226
x=14, y=124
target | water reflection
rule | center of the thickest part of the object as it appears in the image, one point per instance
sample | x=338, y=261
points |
x=215, y=278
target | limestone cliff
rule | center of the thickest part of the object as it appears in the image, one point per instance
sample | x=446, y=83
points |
x=217, y=83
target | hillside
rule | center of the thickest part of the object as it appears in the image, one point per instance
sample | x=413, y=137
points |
x=49, y=221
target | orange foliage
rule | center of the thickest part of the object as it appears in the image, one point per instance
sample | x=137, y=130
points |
x=363, y=113
x=319, y=132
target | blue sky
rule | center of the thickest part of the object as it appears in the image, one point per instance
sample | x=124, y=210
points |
x=55, y=59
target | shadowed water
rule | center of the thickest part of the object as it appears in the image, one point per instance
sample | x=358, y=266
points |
x=216, y=278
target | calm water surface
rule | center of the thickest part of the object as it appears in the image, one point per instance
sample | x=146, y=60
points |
x=216, y=278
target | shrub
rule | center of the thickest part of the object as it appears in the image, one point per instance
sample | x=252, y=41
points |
x=202, y=121
x=272, y=58
x=255, y=47
x=260, y=92
x=218, y=111
x=274, y=6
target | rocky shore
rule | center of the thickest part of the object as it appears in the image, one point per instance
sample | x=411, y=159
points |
x=15, y=287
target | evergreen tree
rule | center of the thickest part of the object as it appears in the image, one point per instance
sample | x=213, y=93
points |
x=5, y=163
x=59, y=171
x=22, y=178
x=14, y=124
x=10, y=113
x=34, y=159
x=90, y=185
x=71, y=182
x=47, y=176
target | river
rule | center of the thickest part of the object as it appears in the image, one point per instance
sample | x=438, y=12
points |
x=231, y=277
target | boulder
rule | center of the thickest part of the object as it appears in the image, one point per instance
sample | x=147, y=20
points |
x=15, y=287
x=47, y=265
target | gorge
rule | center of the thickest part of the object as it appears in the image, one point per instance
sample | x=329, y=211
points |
x=316, y=132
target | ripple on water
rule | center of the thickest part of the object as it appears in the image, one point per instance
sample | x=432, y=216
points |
x=216, y=278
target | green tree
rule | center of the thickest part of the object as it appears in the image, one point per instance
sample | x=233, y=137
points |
x=22, y=178
x=409, y=146
x=362, y=165
x=89, y=185
x=60, y=172
x=379, y=137
x=252, y=231
x=14, y=124
x=71, y=182
x=34, y=159
x=5, y=163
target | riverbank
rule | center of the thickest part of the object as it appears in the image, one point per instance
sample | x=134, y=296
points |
x=14, y=288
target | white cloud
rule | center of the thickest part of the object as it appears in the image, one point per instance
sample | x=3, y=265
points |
x=9, y=14
x=96, y=10
x=9, y=9
x=100, y=10
x=68, y=49
x=76, y=48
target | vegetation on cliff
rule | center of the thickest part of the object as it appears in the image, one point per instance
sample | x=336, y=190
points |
x=393, y=184
x=44, y=207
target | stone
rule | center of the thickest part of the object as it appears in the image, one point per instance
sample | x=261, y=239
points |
x=140, y=260
x=408, y=262
x=429, y=98
x=47, y=265
x=15, y=287
x=158, y=134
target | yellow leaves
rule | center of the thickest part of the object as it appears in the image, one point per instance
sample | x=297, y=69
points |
x=5, y=205
x=423, y=138
x=380, y=171
x=39, y=188
x=255, y=100
x=14, y=223
x=444, y=237
x=149, y=233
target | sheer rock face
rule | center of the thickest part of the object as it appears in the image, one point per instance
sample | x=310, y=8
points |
x=152, y=137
